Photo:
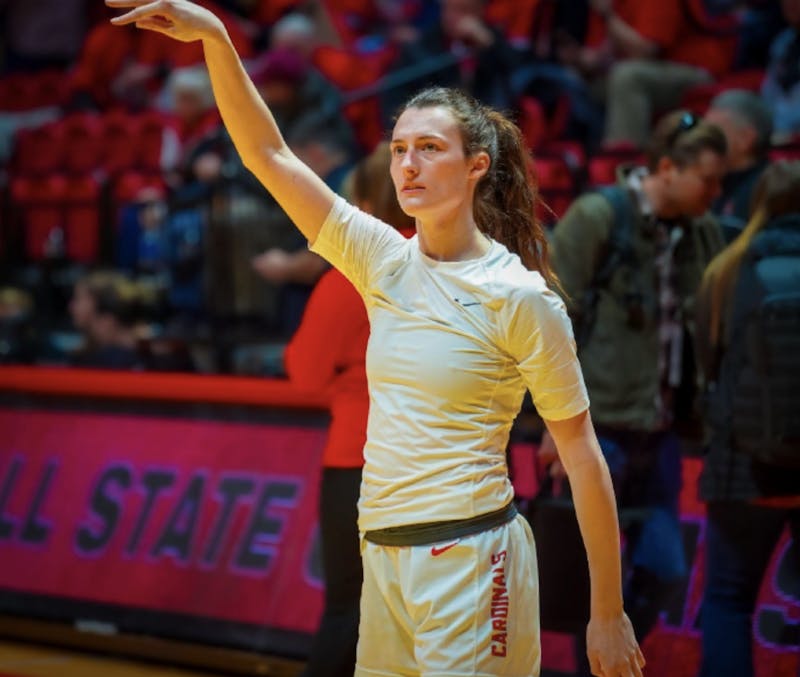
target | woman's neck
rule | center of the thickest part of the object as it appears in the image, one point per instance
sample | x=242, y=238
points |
x=452, y=239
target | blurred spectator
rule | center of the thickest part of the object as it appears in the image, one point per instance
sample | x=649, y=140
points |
x=106, y=308
x=781, y=87
x=41, y=34
x=304, y=32
x=760, y=23
x=270, y=17
x=295, y=33
x=113, y=313
x=295, y=267
x=293, y=88
x=121, y=65
x=565, y=64
x=630, y=259
x=107, y=72
x=329, y=150
x=141, y=236
x=18, y=341
x=747, y=346
x=328, y=353
x=747, y=123
x=194, y=121
x=669, y=47
x=462, y=50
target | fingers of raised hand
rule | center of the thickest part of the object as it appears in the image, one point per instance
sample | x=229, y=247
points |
x=625, y=667
x=142, y=10
x=124, y=4
x=640, y=657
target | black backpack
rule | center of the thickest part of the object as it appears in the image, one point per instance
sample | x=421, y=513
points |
x=762, y=361
x=618, y=251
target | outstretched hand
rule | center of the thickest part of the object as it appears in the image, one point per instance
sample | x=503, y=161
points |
x=612, y=648
x=179, y=19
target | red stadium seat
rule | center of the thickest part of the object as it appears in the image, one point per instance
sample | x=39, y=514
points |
x=38, y=201
x=350, y=71
x=149, y=141
x=553, y=174
x=556, y=185
x=82, y=219
x=37, y=151
x=698, y=98
x=602, y=167
x=81, y=142
x=130, y=185
x=267, y=12
x=60, y=216
x=532, y=122
x=573, y=153
x=514, y=17
x=53, y=87
x=18, y=93
x=120, y=146
x=789, y=152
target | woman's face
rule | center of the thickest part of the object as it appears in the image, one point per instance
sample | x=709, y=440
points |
x=82, y=307
x=431, y=175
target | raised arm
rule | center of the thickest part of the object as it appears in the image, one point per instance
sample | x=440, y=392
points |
x=610, y=642
x=298, y=190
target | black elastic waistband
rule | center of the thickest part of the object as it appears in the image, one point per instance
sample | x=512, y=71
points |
x=437, y=532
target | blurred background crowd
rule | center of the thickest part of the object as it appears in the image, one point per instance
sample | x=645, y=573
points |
x=131, y=236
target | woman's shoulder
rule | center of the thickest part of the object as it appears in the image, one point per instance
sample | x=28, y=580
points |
x=522, y=289
x=344, y=212
x=511, y=277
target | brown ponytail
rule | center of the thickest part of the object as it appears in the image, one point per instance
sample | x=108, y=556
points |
x=506, y=197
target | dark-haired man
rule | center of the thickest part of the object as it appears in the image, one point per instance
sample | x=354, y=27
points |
x=629, y=260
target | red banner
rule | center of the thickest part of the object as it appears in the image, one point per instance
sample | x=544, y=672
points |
x=213, y=519
x=218, y=520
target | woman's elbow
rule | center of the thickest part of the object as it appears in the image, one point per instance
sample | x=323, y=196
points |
x=584, y=459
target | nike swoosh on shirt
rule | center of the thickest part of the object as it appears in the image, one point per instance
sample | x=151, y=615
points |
x=466, y=304
x=436, y=550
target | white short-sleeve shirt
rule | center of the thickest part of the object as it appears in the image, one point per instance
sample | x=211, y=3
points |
x=453, y=345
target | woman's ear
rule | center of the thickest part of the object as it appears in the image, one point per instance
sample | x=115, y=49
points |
x=480, y=165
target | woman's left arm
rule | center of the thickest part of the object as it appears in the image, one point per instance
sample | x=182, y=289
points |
x=611, y=645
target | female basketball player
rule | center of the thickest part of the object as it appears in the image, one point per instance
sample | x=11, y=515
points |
x=459, y=328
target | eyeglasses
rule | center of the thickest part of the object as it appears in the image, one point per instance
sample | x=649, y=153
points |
x=688, y=121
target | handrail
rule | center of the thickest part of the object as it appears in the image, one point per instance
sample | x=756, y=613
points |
x=152, y=386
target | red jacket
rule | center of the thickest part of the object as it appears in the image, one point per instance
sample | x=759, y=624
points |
x=328, y=352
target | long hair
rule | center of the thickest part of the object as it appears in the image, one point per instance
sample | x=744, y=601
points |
x=776, y=193
x=506, y=196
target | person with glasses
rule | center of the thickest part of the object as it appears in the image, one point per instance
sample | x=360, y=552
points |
x=629, y=258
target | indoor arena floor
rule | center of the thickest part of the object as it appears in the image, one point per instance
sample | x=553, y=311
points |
x=23, y=659
x=32, y=660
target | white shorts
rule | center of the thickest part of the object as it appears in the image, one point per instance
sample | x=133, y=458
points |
x=464, y=607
